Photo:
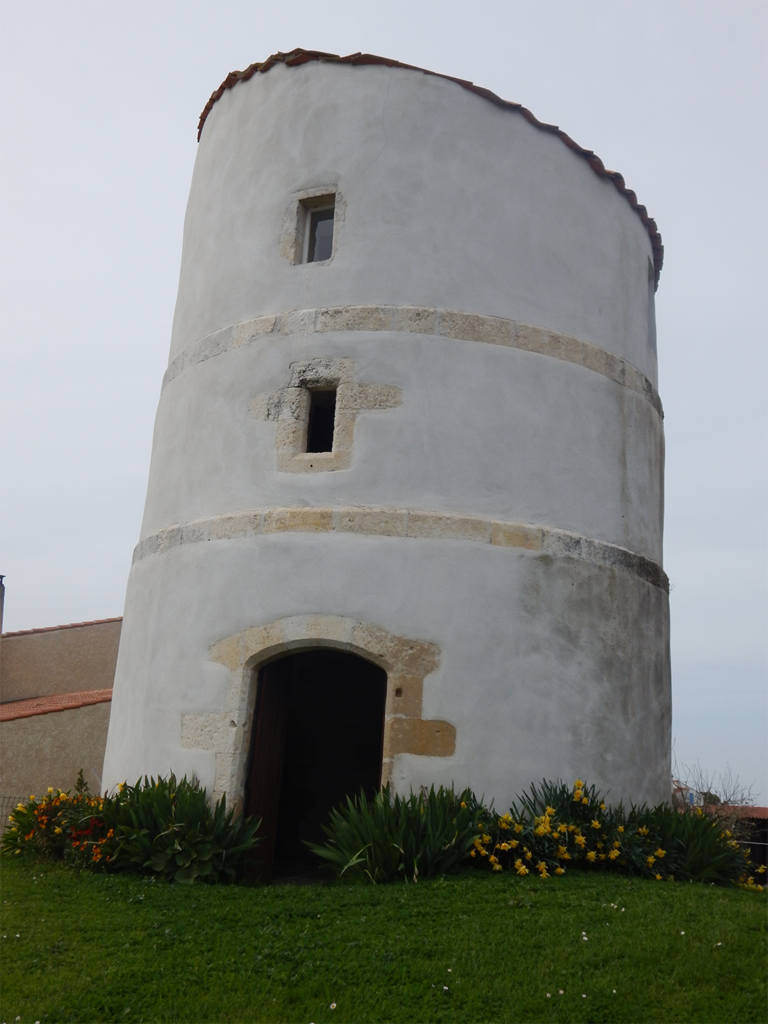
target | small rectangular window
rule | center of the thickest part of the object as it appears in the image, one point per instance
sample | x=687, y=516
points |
x=322, y=419
x=314, y=236
x=320, y=243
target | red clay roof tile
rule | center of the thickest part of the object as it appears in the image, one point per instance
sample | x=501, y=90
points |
x=297, y=57
x=45, y=705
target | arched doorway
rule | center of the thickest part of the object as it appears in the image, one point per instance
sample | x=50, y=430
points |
x=317, y=737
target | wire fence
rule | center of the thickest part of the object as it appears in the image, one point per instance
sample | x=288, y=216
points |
x=8, y=804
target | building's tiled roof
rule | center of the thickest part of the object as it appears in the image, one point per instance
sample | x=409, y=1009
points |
x=742, y=810
x=297, y=57
x=68, y=625
x=45, y=705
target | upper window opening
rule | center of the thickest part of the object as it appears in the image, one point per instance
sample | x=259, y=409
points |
x=315, y=229
x=322, y=419
x=320, y=244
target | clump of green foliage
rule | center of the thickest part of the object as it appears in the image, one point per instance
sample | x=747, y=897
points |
x=392, y=837
x=553, y=827
x=159, y=826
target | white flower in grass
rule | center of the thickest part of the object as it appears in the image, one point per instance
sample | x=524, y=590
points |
x=333, y=1006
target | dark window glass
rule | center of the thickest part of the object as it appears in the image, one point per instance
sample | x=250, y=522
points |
x=322, y=414
x=320, y=235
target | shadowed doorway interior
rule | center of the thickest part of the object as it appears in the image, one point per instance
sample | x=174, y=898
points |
x=317, y=737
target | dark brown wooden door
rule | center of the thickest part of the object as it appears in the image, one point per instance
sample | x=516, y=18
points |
x=265, y=777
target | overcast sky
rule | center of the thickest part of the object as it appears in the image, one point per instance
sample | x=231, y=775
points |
x=100, y=102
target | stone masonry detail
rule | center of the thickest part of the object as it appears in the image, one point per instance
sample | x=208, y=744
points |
x=289, y=408
x=406, y=662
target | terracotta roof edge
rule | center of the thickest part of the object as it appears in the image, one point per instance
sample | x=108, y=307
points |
x=297, y=57
x=67, y=625
x=57, y=702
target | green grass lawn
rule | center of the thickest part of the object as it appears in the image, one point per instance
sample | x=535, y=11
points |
x=473, y=947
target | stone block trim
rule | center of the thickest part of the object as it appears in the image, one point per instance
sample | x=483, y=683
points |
x=289, y=409
x=438, y=323
x=404, y=523
x=406, y=661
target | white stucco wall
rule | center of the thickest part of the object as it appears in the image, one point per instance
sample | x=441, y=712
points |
x=447, y=196
x=550, y=663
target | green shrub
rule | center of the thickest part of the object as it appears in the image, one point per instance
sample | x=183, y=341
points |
x=167, y=826
x=387, y=838
x=60, y=826
x=553, y=827
x=161, y=826
x=699, y=848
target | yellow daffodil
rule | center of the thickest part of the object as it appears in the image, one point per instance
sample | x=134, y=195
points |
x=643, y=831
x=578, y=784
x=504, y=846
x=595, y=824
x=561, y=851
x=592, y=855
x=528, y=855
x=551, y=812
x=514, y=842
x=559, y=871
x=584, y=800
x=518, y=828
x=581, y=841
x=621, y=828
x=613, y=855
x=658, y=877
x=650, y=861
x=617, y=845
x=497, y=867
x=660, y=853
x=602, y=807
x=493, y=860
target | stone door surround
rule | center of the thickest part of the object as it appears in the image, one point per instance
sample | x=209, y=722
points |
x=406, y=661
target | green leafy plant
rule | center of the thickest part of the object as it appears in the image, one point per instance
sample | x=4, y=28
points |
x=60, y=826
x=699, y=847
x=554, y=827
x=167, y=826
x=161, y=826
x=392, y=837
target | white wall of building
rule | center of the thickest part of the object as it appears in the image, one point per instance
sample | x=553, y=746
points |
x=549, y=665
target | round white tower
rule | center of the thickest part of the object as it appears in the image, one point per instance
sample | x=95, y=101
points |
x=404, y=513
